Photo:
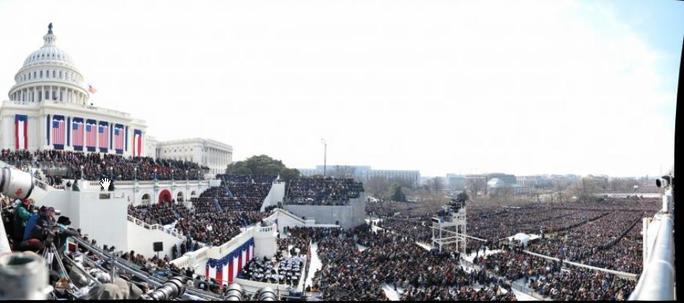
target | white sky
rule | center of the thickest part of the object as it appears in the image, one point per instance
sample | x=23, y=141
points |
x=439, y=86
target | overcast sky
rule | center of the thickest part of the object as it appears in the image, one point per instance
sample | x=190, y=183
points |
x=582, y=87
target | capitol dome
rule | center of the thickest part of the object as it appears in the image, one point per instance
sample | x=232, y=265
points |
x=49, y=74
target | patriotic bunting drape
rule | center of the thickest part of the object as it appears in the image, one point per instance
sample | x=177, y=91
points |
x=91, y=135
x=77, y=129
x=226, y=269
x=58, y=129
x=20, y=132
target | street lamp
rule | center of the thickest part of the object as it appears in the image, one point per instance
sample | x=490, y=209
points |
x=325, y=154
x=155, y=174
x=82, y=172
x=135, y=174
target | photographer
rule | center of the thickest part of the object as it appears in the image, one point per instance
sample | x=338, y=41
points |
x=22, y=213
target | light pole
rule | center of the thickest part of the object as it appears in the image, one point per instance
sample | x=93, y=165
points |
x=82, y=173
x=325, y=155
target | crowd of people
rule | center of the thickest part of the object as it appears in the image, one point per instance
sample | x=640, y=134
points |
x=217, y=215
x=160, y=213
x=322, y=190
x=280, y=270
x=67, y=165
x=592, y=232
x=392, y=259
x=580, y=284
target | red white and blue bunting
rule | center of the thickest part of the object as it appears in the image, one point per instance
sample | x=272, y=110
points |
x=226, y=269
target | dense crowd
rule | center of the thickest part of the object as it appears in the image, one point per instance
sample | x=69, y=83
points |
x=322, y=190
x=67, y=165
x=161, y=213
x=578, y=284
x=603, y=233
x=217, y=214
x=392, y=259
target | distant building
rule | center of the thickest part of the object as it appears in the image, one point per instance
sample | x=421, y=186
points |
x=507, y=179
x=206, y=152
x=410, y=176
x=363, y=173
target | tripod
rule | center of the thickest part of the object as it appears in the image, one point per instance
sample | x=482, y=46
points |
x=52, y=254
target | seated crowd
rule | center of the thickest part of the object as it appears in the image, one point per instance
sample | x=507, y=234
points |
x=322, y=190
x=216, y=216
x=279, y=270
x=95, y=165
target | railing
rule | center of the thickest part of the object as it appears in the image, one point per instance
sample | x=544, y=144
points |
x=657, y=280
x=155, y=227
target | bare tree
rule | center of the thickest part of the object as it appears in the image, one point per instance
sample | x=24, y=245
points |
x=475, y=185
x=435, y=184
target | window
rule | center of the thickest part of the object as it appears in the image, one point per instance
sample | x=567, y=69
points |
x=54, y=74
x=41, y=74
x=60, y=74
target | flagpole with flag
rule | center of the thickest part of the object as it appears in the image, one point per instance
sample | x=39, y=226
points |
x=91, y=89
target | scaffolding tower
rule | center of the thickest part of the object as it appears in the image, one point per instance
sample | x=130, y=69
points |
x=449, y=227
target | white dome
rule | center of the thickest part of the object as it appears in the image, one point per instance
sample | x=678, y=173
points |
x=49, y=54
x=49, y=74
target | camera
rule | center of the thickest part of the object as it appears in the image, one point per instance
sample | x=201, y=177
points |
x=664, y=181
x=171, y=289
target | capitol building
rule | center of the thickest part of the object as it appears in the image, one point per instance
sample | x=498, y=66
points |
x=49, y=108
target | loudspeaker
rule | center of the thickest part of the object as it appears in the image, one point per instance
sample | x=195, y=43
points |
x=158, y=246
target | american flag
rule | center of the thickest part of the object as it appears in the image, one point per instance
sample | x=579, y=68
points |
x=90, y=135
x=103, y=131
x=77, y=130
x=137, y=143
x=58, y=131
x=91, y=89
x=118, y=138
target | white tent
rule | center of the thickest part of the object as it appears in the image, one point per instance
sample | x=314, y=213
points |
x=522, y=237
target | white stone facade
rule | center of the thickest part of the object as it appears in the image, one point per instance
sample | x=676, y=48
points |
x=48, y=108
x=210, y=153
